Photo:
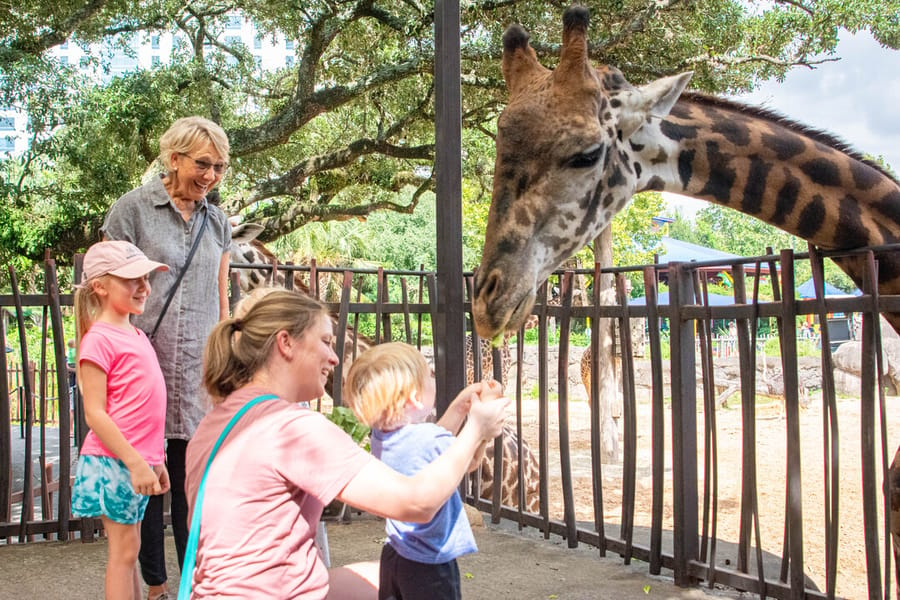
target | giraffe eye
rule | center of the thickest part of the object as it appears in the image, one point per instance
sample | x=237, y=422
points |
x=587, y=159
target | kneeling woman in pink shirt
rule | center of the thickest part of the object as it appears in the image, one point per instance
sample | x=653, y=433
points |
x=281, y=464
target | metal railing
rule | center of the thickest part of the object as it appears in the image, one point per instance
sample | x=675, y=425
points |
x=664, y=503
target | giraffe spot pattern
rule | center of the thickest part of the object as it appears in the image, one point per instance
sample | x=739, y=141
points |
x=721, y=176
x=732, y=130
x=686, y=167
x=661, y=157
x=616, y=178
x=522, y=218
x=755, y=186
x=850, y=231
x=864, y=176
x=786, y=199
x=676, y=132
x=811, y=218
x=889, y=206
x=783, y=144
x=507, y=245
x=822, y=171
x=656, y=183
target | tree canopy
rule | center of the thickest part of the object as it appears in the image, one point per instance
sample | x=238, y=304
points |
x=348, y=128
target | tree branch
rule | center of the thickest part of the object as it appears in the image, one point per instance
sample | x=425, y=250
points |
x=725, y=61
x=796, y=4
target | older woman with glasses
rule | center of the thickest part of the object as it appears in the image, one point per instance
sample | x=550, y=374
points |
x=170, y=219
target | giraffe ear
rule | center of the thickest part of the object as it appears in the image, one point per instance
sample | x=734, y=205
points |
x=654, y=99
x=245, y=232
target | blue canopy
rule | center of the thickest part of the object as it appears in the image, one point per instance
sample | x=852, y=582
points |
x=808, y=290
x=663, y=298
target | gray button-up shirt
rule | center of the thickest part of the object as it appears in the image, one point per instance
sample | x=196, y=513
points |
x=148, y=218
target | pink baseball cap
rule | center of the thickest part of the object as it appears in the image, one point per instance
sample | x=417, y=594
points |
x=120, y=258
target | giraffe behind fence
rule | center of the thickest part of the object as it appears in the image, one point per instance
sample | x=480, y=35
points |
x=575, y=143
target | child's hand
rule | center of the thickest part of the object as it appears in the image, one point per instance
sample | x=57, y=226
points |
x=463, y=401
x=491, y=389
x=144, y=480
x=489, y=416
x=162, y=474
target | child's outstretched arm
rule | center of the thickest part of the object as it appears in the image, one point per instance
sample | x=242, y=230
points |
x=93, y=381
x=380, y=490
x=456, y=413
x=478, y=458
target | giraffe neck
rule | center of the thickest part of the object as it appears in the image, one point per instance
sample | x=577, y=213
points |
x=757, y=163
x=800, y=180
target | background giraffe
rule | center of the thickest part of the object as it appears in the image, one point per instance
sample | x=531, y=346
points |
x=247, y=250
x=574, y=144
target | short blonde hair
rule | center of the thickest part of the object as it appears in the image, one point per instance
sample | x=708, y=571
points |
x=381, y=381
x=188, y=134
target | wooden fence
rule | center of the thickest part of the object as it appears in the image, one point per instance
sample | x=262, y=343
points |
x=677, y=476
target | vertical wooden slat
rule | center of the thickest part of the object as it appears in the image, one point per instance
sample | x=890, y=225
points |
x=407, y=325
x=629, y=427
x=449, y=324
x=62, y=377
x=565, y=456
x=657, y=420
x=42, y=412
x=684, y=426
x=710, y=455
x=596, y=450
x=27, y=389
x=543, y=410
x=867, y=442
x=520, y=360
x=748, y=427
x=830, y=434
x=794, y=514
x=340, y=342
x=5, y=426
x=385, y=299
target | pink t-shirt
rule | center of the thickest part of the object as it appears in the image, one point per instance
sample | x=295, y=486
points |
x=135, y=389
x=279, y=466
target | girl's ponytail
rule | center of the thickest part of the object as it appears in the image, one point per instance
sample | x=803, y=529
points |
x=87, y=306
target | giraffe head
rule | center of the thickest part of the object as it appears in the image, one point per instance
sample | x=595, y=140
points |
x=563, y=167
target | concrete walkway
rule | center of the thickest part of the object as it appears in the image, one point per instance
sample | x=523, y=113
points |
x=509, y=564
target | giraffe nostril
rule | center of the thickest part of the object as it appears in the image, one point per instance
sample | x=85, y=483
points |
x=490, y=286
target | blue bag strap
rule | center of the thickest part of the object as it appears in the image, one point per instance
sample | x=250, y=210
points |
x=190, y=553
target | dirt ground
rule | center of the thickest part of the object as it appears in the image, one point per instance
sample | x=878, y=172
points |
x=771, y=466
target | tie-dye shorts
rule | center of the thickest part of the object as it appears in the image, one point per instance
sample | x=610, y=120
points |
x=103, y=488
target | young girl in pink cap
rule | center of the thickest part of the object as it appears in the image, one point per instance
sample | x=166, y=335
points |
x=122, y=459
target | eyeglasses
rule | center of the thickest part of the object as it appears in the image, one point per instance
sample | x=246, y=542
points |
x=204, y=166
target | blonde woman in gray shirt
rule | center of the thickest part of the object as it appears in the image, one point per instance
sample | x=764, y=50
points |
x=164, y=218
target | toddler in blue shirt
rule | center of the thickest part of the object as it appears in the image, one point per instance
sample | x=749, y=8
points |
x=391, y=388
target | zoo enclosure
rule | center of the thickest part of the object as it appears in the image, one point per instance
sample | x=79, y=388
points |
x=401, y=305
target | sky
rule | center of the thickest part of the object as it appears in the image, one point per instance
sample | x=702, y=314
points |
x=857, y=99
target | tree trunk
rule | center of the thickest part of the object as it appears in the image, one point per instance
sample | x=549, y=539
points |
x=608, y=391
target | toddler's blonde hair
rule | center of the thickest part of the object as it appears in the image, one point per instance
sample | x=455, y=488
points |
x=247, y=302
x=380, y=382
